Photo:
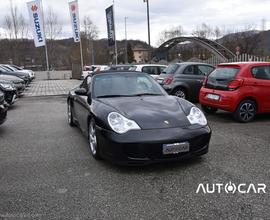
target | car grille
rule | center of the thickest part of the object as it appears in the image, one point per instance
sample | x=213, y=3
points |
x=154, y=151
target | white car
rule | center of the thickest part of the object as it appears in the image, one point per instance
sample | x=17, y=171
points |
x=19, y=69
x=152, y=69
x=93, y=68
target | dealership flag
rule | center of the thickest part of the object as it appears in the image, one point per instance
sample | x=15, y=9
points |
x=110, y=26
x=75, y=20
x=36, y=21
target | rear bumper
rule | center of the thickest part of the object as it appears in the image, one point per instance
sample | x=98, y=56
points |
x=145, y=146
x=228, y=99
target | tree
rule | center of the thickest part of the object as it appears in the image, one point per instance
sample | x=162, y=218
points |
x=217, y=32
x=203, y=30
x=53, y=27
x=130, y=53
x=170, y=33
x=53, y=30
x=90, y=34
x=15, y=26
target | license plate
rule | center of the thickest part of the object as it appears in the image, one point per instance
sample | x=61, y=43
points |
x=212, y=96
x=175, y=148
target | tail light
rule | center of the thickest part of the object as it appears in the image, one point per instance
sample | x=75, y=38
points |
x=204, y=82
x=168, y=80
x=235, y=84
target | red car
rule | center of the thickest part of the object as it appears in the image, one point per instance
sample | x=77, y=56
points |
x=241, y=88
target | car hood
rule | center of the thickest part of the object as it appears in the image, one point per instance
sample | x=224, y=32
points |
x=11, y=78
x=150, y=112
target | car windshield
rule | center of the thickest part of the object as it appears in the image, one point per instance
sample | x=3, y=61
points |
x=224, y=73
x=171, y=69
x=117, y=85
x=6, y=69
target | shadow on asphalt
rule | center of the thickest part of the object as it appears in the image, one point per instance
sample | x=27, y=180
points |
x=155, y=167
x=226, y=117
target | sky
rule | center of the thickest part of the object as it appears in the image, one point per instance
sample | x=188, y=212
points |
x=164, y=14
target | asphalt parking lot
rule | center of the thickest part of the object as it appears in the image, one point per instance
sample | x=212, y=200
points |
x=47, y=172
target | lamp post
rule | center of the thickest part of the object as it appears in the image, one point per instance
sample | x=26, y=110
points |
x=148, y=21
x=126, y=57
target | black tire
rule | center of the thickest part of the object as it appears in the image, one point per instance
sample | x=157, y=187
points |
x=208, y=109
x=246, y=111
x=181, y=93
x=70, y=114
x=93, y=140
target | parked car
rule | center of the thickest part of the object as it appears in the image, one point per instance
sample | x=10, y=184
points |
x=3, y=108
x=128, y=120
x=9, y=90
x=6, y=71
x=94, y=68
x=240, y=88
x=184, y=79
x=19, y=69
x=121, y=67
x=152, y=69
x=17, y=82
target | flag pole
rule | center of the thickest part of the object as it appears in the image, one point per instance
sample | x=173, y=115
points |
x=115, y=43
x=81, y=50
x=46, y=48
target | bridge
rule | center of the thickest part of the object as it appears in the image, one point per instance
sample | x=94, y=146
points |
x=217, y=49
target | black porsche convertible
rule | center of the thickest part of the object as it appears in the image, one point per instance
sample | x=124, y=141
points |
x=129, y=119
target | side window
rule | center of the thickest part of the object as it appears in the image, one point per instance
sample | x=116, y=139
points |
x=162, y=68
x=204, y=70
x=190, y=70
x=147, y=69
x=261, y=72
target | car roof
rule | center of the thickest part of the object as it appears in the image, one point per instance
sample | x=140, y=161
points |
x=193, y=63
x=149, y=64
x=242, y=64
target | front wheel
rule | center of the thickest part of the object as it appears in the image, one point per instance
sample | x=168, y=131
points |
x=70, y=114
x=181, y=93
x=208, y=109
x=93, y=140
x=245, y=111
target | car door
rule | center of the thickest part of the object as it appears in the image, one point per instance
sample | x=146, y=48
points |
x=81, y=106
x=200, y=73
x=189, y=78
x=261, y=86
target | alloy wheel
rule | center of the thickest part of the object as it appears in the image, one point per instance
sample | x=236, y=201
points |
x=69, y=113
x=180, y=93
x=247, y=111
x=92, y=138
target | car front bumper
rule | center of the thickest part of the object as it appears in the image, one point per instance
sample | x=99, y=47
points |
x=145, y=146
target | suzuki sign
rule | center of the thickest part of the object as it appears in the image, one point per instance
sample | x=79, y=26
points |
x=75, y=21
x=36, y=21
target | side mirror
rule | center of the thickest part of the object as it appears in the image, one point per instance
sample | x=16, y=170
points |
x=89, y=98
x=81, y=91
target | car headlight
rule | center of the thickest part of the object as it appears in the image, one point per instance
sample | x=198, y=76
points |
x=6, y=86
x=196, y=116
x=121, y=124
